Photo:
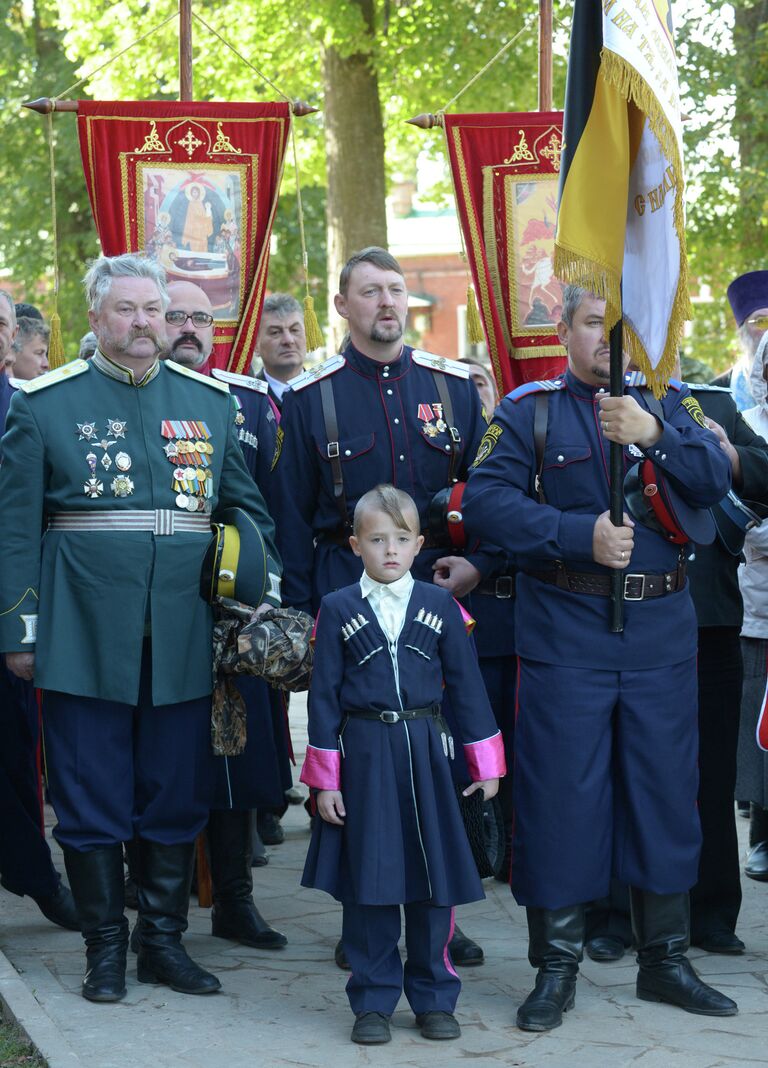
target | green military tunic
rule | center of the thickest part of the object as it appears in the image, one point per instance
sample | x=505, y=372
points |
x=85, y=445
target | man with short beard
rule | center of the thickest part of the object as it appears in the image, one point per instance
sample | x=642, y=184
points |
x=381, y=412
x=123, y=650
x=260, y=775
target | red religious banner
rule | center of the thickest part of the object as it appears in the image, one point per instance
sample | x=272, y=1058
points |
x=195, y=186
x=505, y=172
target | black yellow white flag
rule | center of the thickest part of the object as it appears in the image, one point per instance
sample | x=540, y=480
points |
x=621, y=224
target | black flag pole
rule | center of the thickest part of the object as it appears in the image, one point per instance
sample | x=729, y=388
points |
x=617, y=476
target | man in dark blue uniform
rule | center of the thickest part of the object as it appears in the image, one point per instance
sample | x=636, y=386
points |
x=258, y=776
x=281, y=343
x=606, y=729
x=26, y=867
x=380, y=412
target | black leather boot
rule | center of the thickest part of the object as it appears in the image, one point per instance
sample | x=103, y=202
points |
x=60, y=908
x=757, y=858
x=555, y=947
x=96, y=879
x=464, y=952
x=166, y=877
x=132, y=873
x=661, y=926
x=234, y=914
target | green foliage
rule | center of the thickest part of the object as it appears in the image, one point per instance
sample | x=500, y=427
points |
x=32, y=64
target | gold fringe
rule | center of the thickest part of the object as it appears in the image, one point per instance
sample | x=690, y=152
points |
x=475, y=333
x=573, y=268
x=633, y=87
x=55, y=343
x=314, y=336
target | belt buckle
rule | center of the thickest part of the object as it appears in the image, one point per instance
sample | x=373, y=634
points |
x=642, y=587
x=333, y=450
x=389, y=717
x=505, y=587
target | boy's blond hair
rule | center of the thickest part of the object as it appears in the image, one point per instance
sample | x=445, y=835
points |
x=390, y=500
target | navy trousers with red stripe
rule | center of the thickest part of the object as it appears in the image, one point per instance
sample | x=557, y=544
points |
x=370, y=934
x=605, y=782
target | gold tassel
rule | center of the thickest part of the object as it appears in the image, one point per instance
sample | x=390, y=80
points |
x=56, y=343
x=315, y=339
x=474, y=323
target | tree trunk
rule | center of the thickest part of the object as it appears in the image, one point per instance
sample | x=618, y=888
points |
x=354, y=142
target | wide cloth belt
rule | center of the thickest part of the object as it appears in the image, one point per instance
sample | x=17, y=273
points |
x=393, y=717
x=637, y=586
x=157, y=521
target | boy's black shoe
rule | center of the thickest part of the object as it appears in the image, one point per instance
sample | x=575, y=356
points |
x=438, y=1025
x=371, y=1029
x=464, y=952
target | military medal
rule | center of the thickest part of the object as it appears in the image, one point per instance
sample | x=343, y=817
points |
x=634, y=451
x=427, y=412
x=123, y=461
x=441, y=424
x=93, y=488
x=92, y=459
x=116, y=427
x=86, y=431
x=121, y=486
x=187, y=450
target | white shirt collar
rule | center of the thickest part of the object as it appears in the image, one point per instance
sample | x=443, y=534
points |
x=278, y=387
x=400, y=589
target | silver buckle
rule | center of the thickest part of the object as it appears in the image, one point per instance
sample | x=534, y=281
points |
x=642, y=587
x=333, y=450
x=389, y=717
x=505, y=587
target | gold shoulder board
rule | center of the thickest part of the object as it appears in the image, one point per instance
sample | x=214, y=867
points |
x=181, y=370
x=69, y=370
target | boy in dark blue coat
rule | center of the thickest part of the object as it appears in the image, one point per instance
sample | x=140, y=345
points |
x=391, y=833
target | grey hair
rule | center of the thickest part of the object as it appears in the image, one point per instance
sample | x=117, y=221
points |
x=98, y=278
x=88, y=345
x=572, y=298
x=11, y=304
x=748, y=341
x=280, y=304
x=28, y=328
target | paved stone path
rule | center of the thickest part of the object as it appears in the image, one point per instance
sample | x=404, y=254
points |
x=289, y=1007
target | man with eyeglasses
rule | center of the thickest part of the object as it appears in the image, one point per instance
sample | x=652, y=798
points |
x=259, y=776
x=123, y=461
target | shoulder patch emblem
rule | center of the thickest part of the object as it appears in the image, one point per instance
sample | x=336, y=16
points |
x=306, y=378
x=246, y=381
x=189, y=373
x=488, y=443
x=69, y=370
x=278, y=447
x=693, y=408
x=440, y=363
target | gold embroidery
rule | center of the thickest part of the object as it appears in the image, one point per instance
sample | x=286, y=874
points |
x=489, y=442
x=693, y=408
x=189, y=142
x=152, y=142
x=278, y=447
x=223, y=143
x=553, y=150
x=521, y=153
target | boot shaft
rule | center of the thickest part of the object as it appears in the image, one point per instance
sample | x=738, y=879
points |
x=556, y=939
x=661, y=925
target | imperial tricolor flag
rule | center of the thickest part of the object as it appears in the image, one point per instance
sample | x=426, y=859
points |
x=620, y=226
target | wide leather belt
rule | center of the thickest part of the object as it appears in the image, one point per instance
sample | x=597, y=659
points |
x=392, y=716
x=637, y=586
x=501, y=586
x=157, y=521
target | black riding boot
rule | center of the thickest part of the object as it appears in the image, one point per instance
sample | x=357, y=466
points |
x=234, y=914
x=555, y=947
x=661, y=925
x=166, y=876
x=96, y=880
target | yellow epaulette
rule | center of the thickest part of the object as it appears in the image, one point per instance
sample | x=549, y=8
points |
x=440, y=363
x=306, y=378
x=181, y=370
x=50, y=378
x=246, y=381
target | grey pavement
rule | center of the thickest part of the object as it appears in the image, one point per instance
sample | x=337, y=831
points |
x=289, y=1007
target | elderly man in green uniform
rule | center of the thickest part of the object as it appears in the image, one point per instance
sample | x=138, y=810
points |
x=122, y=462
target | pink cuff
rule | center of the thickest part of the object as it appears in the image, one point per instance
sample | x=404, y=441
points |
x=485, y=759
x=322, y=769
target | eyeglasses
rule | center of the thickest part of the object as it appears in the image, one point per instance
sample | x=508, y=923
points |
x=179, y=318
x=760, y=321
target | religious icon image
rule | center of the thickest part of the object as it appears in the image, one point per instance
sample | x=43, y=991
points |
x=192, y=224
x=536, y=296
